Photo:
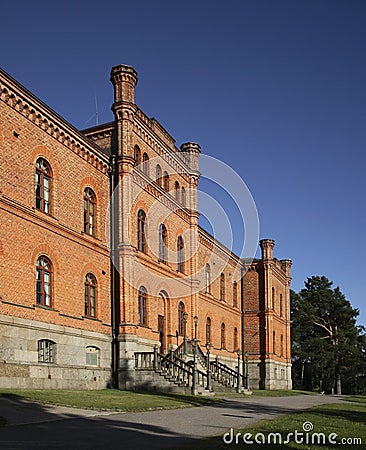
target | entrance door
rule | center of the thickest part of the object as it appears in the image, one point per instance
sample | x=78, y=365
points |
x=161, y=333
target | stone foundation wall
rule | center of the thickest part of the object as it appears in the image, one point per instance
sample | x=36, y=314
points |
x=20, y=367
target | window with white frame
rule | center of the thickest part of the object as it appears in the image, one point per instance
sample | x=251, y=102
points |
x=92, y=356
x=46, y=351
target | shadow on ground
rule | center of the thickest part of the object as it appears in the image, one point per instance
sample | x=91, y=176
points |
x=32, y=425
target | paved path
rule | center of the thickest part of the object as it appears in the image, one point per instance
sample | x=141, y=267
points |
x=34, y=426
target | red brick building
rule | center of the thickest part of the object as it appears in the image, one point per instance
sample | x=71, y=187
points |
x=69, y=317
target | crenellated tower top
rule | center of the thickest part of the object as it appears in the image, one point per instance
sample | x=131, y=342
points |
x=124, y=80
x=194, y=151
x=267, y=248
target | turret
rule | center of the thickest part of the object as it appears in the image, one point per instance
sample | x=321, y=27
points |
x=193, y=150
x=286, y=266
x=124, y=80
x=267, y=248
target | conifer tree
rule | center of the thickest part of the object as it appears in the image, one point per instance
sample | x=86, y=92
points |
x=327, y=346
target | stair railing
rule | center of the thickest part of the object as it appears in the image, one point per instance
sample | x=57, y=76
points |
x=173, y=368
x=224, y=375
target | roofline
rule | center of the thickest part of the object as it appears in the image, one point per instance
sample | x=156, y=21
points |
x=219, y=244
x=24, y=91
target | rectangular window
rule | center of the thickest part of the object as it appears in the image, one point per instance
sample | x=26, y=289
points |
x=46, y=351
x=92, y=356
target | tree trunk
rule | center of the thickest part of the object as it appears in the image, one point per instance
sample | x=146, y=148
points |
x=339, y=384
x=302, y=374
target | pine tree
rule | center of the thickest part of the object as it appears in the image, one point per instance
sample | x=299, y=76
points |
x=327, y=346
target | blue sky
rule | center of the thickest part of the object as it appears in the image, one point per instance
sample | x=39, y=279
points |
x=275, y=89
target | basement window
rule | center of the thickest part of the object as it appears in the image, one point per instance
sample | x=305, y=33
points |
x=92, y=356
x=46, y=351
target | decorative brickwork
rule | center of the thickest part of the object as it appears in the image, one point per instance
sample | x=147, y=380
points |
x=137, y=306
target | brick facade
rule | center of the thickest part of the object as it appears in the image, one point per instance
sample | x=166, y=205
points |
x=75, y=239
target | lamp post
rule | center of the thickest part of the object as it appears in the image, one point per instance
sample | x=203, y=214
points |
x=185, y=317
x=238, y=374
x=246, y=371
x=195, y=318
x=194, y=381
x=208, y=348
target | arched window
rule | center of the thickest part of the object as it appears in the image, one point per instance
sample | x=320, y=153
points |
x=208, y=278
x=180, y=250
x=208, y=330
x=43, y=186
x=142, y=319
x=176, y=191
x=181, y=311
x=223, y=335
x=166, y=181
x=92, y=356
x=137, y=155
x=235, y=294
x=90, y=288
x=145, y=164
x=281, y=345
x=141, y=231
x=163, y=241
x=158, y=175
x=43, y=281
x=273, y=298
x=184, y=199
x=274, y=342
x=89, y=212
x=46, y=351
x=222, y=287
x=236, y=340
x=281, y=305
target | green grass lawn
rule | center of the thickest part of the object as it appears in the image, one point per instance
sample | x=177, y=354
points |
x=280, y=393
x=357, y=399
x=107, y=399
x=347, y=419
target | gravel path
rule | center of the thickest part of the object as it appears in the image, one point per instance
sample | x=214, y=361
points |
x=31, y=426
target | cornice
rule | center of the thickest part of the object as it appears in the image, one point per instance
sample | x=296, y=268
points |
x=210, y=242
x=280, y=273
x=163, y=269
x=273, y=265
x=52, y=224
x=251, y=268
x=17, y=97
x=206, y=242
x=165, y=198
x=216, y=302
x=149, y=130
x=100, y=131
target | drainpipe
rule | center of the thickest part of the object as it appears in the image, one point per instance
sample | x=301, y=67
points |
x=115, y=312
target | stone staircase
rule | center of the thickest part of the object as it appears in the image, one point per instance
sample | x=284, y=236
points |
x=185, y=370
